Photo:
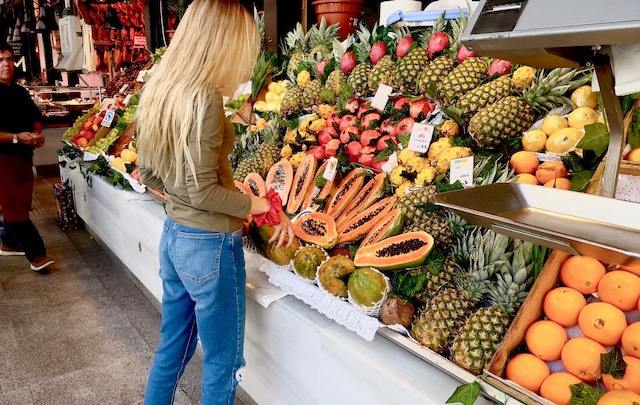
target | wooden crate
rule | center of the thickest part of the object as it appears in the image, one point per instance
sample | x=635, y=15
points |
x=627, y=166
x=530, y=312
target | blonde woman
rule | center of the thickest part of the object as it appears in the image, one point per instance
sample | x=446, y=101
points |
x=184, y=140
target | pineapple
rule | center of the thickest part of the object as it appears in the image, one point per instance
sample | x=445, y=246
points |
x=265, y=156
x=359, y=76
x=320, y=39
x=311, y=94
x=337, y=78
x=507, y=118
x=465, y=77
x=410, y=204
x=447, y=311
x=295, y=46
x=483, y=96
x=436, y=225
x=439, y=281
x=409, y=69
x=483, y=331
x=292, y=101
x=382, y=72
x=523, y=77
x=497, y=172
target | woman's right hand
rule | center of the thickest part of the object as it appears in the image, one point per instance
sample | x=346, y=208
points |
x=259, y=205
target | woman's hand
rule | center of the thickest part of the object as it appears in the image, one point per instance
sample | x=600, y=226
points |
x=283, y=231
x=259, y=205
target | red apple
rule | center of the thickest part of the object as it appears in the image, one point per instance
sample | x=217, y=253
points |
x=87, y=125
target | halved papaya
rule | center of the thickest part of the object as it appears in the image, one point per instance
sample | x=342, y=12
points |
x=302, y=182
x=320, y=190
x=316, y=228
x=397, y=252
x=390, y=225
x=243, y=188
x=370, y=193
x=360, y=224
x=256, y=184
x=279, y=179
x=346, y=192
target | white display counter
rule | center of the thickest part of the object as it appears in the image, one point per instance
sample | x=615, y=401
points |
x=294, y=354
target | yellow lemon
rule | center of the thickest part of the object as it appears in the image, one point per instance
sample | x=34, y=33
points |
x=552, y=123
x=564, y=140
x=584, y=97
x=582, y=116
x=534, y=140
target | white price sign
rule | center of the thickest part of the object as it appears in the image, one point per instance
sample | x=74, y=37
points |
x=332, y=168
x=109, y=116
x=548, y=157
x=381, y=98
x=391, y=164
x=421, y=136
x=461, y=170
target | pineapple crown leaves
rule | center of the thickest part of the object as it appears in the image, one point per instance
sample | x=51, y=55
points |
x=490, y=170
x=514, y=278
x=362, y=46
x=259, y=18
x=295, y=40
x=550, y=86
x=464, y=246
x=322, y=35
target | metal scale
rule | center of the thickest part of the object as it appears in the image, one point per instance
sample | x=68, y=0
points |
x=552, y=33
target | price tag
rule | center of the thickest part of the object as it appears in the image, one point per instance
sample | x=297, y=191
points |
x=381, y=98
x=108, y=118
x=123, y=88
x=461, y=170
x=421, y=136
x=391, y=164
x=548, y=157
x=127, y=99
x=332, y=168
x=139, y=41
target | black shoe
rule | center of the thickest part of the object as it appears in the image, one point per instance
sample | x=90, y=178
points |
x=41, y=263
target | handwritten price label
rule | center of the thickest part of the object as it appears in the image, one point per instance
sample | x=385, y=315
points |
x=421, y=136
x=381, y=98
x=461, y=170
x=332, y=168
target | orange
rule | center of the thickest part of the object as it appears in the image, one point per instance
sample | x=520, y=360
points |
x=524, y=162
x=528, y=371
x=559, y=183
x=620, y=288
x=581, y=357
x=549, y=171
x=631, y=379
x=545, y=340
x=582, y=273
x=602, y=322
x=556, y=387
x=633, y=267
x=619, y=398
x=563, y=304
x=526, y=178
x=631, y=340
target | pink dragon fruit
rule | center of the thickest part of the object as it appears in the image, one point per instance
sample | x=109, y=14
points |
x=437, y=43
x=348, y=62
x=318, y=152
x=331, y=149
x=499, y=67
x=320, y=68
x=378, y=51
x=404, y=46
x=464, y=53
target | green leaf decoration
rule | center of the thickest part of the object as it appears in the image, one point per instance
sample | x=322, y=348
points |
x=596, y=138
x=466, y=394
x=613, y=363
x=580, y=180
x=583, y=394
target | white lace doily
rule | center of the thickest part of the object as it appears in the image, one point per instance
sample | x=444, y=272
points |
x=332, y=307
x=628, y=188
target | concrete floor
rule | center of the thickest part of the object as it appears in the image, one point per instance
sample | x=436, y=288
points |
x=82, y=334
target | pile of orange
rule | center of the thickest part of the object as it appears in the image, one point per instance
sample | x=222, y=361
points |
x=596, y=301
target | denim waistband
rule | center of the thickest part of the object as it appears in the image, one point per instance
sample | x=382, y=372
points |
x=171, y=224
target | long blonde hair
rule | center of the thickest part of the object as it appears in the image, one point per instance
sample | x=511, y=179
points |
x=213, y=50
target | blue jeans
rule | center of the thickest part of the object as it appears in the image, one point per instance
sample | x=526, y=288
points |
x=203, y=283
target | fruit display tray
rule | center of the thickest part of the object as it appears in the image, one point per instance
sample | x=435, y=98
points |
x=581, y=224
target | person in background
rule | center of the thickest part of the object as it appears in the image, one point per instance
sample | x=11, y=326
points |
x=19, y=135
x=184, y=139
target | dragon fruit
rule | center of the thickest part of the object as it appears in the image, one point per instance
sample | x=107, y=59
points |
x=320, y=68
x=499, y=67
x=354, y=148
x=347, y=121
x=348, y=62
x=331, y=148
x=437, y=43
x=464, y=53
x=404, y=46
x=378, y=51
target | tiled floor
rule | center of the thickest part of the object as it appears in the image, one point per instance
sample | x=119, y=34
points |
x=82, y=334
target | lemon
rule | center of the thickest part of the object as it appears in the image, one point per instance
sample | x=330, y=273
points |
x=564, y=140
x=584, y=97
x=552, y=123
x=534, y=140
x=582, y=116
